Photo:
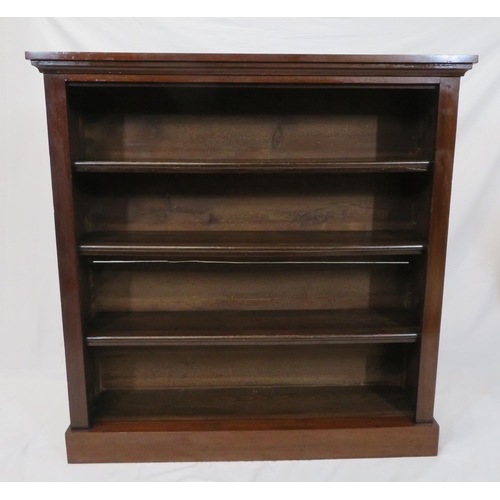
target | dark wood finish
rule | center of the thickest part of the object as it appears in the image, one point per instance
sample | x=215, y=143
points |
x=252, y=402
x=251, y=64
x=309, y=166
x=252, y=202
x=249, y=244
x=197, y=366
x=252, y=327
x=438, y=231
x=251, y=251
x=330, y=78
x=246, y=424
x=69, y=279
x=235, y=59
x=198, y=285
x=368, y=438
x=264, y=123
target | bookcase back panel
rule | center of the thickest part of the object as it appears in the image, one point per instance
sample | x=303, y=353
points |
x=261, y=122
x=232, y=366
x=248, y=202
x=249, y=286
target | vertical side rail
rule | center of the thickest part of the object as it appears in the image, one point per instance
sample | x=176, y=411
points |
x=438, y=235
x=64, y=215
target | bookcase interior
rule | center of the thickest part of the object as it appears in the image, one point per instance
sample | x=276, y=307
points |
x=192, y=123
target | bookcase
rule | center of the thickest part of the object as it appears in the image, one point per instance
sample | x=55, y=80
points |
x=251, y=251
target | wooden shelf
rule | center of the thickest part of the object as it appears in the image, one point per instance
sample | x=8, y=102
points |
x=252, y=328
x=247, y=244
x=252, y=402
x=248, y=166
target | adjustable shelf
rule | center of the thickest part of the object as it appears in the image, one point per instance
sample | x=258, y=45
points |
x=250, y=166
x=249, y=244
x=180, y=328
x=251, y=251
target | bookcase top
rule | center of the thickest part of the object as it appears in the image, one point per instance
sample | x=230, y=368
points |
x=263, y=64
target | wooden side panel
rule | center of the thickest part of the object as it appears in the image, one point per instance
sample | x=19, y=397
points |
x=438, y=233
x=60, y=158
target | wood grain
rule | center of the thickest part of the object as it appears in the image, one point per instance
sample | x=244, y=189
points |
x=251, y=402
x=79, y=378
x=194, y=123
x=372, y=438
x=199, y=366
x=438, y=237
x=252, y=202
x=188, y=286
x=251, y=64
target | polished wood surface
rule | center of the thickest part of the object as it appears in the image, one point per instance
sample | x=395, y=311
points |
x=438, y=231
x=251, y=64
x=381, y=437
x=389, y=59
x=249, y=244
x=252, y=327
x=79, y=378
x=248, y=166
x=247, y=424
x=251, y=251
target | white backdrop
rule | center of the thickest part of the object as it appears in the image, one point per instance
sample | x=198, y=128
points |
x=33, y=401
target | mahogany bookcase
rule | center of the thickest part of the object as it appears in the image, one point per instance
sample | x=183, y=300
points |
x=251, y=251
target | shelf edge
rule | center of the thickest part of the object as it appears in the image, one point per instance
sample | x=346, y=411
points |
x=158, y=340
x=251, y=166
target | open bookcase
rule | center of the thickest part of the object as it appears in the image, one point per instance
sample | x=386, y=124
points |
x=251, y=251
